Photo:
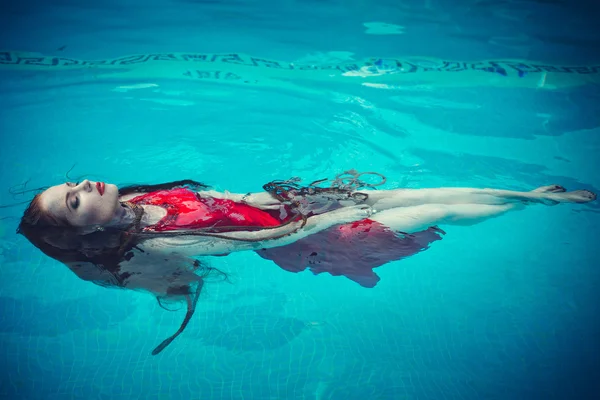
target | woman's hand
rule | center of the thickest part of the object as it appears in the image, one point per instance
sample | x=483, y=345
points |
x=261, y=200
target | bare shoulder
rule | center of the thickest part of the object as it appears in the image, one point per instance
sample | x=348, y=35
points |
x=130, y=196
x=211, y=193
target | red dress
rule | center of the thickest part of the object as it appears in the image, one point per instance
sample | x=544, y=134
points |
x=188, y=210
x=352, y=250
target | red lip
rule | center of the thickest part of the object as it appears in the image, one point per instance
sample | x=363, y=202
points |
x=100, y=187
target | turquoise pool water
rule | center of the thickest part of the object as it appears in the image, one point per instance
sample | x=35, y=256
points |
x=236, y=94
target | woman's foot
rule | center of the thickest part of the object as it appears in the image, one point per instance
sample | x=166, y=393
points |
x=558, y=194
x=577, y=196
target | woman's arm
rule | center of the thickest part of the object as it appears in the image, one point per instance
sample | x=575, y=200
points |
x=262, y=200
x=226, y=243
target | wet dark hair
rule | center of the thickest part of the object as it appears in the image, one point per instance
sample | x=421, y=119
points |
x=99, y=256
x=65, y=243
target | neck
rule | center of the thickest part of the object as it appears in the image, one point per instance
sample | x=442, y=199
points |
x=124, y=217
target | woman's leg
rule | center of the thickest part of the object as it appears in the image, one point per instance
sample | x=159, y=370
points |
x=418, y=218
x=387, y=199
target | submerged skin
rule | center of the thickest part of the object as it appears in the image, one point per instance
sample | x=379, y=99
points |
x=350, y=240
x=406, y=210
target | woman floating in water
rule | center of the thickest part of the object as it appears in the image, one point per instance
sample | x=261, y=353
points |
x=144, y=237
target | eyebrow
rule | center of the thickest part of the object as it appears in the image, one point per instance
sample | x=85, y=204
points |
x=67, y=201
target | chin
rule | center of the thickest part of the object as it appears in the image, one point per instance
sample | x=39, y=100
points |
x=111, y=191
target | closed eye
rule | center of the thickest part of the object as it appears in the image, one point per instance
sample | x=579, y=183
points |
x=72, y=202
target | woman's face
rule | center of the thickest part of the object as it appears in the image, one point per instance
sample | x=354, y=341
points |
x=86, y=204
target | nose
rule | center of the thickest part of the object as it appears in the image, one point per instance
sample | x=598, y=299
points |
x=85, y=185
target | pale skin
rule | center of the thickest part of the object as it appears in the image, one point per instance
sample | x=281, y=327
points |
x=164, y=264
x=89, y=205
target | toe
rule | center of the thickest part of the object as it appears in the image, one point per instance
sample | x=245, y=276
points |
x=591, y=195
x=584, y=196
